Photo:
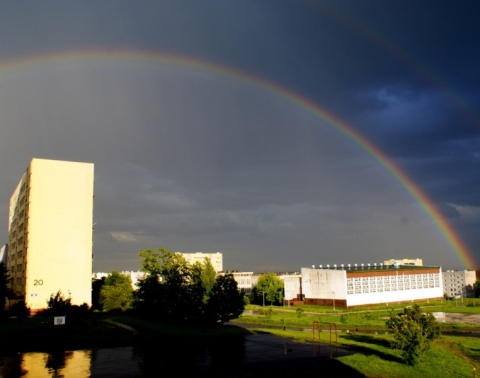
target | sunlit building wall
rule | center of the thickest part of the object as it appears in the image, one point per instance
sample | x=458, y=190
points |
x=50, y=233
x=215, y=258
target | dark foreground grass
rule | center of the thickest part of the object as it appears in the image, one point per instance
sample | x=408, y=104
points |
x=369, y=353
x=38, y=333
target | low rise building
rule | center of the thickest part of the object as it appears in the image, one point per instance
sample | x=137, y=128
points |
x=370, y=285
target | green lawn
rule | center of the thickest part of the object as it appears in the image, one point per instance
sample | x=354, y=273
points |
x=449, y=356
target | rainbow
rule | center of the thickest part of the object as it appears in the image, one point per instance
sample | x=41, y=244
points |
x=139, y=56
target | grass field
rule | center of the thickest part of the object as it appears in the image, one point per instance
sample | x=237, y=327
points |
x=363, y=332
x=360, y=331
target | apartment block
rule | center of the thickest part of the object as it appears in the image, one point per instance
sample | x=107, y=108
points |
x=459, y=283
x=215, y=258
x=50, y=229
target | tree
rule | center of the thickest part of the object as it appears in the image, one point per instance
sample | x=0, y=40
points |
x=177, y=296
x=413, y=331
x=204, y=274
x=226, y=301
x=270, y=287
x=175, y=291
x=58, y=304
x=476, y=289
x=97, y=284
x=20, y=310
x=116, y=292
x=4, y=290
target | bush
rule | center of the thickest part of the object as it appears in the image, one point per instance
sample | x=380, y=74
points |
x=19, y=310
x=413, y=332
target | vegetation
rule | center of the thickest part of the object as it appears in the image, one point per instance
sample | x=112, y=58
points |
x=176, y=292
x=268, y=290
x=116, y=292
x=413, y=331
x=476, y=289
x=366, y=350
x=4, y=277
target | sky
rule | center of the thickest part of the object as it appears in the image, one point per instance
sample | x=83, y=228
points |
x=283, y=134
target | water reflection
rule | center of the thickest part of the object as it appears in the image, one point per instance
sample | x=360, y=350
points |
x=134, y=361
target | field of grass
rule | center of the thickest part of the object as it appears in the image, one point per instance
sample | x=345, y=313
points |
x=363, y=332
x=366, y=318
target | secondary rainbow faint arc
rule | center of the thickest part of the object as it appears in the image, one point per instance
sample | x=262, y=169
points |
x=429, y=207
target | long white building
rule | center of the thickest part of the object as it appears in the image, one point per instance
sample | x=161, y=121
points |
x=368, y=285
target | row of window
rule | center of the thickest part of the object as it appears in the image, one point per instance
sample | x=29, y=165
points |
x=362, y=285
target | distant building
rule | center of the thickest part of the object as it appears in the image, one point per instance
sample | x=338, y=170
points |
x=215, y=258
x=134, y=276
x=459, y=283
x=3, y=254
x=416, y=262
x=243, y=279
x=50, y=228
x=370, y=285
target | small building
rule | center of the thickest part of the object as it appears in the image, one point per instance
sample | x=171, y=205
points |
x=243, y=279
x=134, y=276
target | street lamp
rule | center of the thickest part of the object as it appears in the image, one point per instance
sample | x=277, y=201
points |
x=263, y=294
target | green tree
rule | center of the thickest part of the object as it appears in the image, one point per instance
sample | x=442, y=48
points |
x=270, y=286
x=413, y=331
x=204, y=275
x=116, y=292
x=170, y=288
x=226, y=301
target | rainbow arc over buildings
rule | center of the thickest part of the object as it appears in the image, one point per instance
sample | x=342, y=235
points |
x=141, y=56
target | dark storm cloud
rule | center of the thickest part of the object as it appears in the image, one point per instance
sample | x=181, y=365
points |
x=194, y=160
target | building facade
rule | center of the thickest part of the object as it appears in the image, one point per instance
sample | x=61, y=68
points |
x=416, y=262
x=50, y=229
x=459, y=283
x=370, y=285
x=215, y=258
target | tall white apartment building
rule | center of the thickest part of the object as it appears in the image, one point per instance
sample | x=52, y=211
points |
x=50, y=226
